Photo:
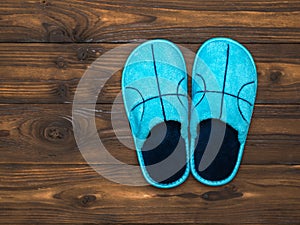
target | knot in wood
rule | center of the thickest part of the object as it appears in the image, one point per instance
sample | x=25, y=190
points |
x=61, y=63
x=82, y=54
x=275, y=76
x=44, y=3
x=62, y=91
x=228, y=192
x=86, y=200
x=57, y=132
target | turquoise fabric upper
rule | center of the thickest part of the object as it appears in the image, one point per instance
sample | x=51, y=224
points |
x=142, y=90
x=239, y=83
x=139, y=83
x=224, y=87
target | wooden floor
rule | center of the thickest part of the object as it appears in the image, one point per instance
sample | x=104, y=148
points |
x=45, y=47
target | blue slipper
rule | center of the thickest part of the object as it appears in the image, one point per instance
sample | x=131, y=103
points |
x=154, y=86
x=223, y=94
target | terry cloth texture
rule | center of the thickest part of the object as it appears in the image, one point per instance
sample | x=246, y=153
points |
x=154, y=85
x=224, y=87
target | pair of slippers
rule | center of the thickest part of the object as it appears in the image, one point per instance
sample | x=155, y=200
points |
x=173, y=137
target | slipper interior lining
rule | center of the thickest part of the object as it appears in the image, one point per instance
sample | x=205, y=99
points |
x=227, y=150
x=166, y=138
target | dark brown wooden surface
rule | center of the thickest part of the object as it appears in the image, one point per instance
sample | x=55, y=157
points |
x=77, y=194
x=42, y=133
x=62, y=66
x=45, y=48
x=122, y=21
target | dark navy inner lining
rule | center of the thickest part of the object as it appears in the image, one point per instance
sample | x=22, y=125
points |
x=171, y=141
x=223, y=164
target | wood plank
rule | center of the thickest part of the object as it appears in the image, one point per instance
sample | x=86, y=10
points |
x=123, y=21
x=49, y=73
x=77, y=194
x=44, y=134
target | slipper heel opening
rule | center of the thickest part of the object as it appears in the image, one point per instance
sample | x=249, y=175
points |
x=216, y=151
x=164, y=153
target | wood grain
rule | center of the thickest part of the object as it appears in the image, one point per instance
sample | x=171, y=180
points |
x=44, y=134
x=49, y=73
x=45, y=48
x=123, y=21
x=71, y=194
